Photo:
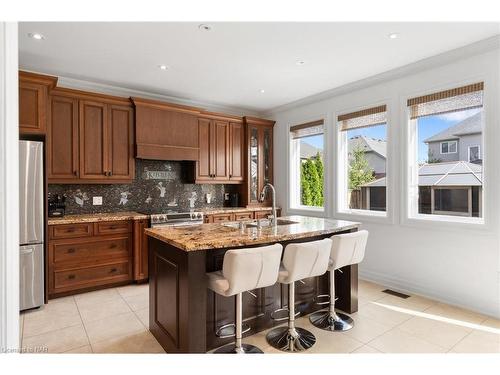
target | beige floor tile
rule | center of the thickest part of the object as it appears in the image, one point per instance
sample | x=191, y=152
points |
x=113, y=327
x=333, y=342
x=382, y=314
x=51, y=317
x=414, y=303
x=444, y=334
x=87, y=349
x=457, y=313
x=398, y=341
x=97, y=297
x=366, y=329
x=479, y=342
x=366, y=349
x=142, y=342
x=143, y=315
x=58, y=341
x=133, y=290
x=91, y=312
x=137, y=302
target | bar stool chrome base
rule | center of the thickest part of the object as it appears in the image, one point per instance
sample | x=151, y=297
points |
x=244, y=349
x=290, y=339
x=331, y=321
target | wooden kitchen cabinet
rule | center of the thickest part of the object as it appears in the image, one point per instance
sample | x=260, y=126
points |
x=259, y=156
x=220, y=158
x=140, y=250
x=90, y=138
x=33, y=102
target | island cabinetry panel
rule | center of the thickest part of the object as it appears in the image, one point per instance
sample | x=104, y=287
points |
x=90, y=138
x=88, y=256
x=33, y=102
x=240, y=216
x=166, y=131
x=140, y=250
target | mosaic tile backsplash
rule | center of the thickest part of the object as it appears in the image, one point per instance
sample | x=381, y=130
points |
x=158, y=187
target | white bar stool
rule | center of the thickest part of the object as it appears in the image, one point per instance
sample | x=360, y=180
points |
x=244, y=270
x=300, y=261
x=347, y=249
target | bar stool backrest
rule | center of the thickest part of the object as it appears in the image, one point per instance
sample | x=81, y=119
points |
x=306, y=259
x=348, y=249
x=252, y=268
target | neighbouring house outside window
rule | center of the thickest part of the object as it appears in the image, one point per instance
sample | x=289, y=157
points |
x=363, y=137
x=448, y=133
x=307, y=165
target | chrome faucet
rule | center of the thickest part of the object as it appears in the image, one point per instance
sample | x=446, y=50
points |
x=263, y=197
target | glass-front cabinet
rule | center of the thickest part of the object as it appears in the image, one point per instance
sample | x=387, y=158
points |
x=260, y=160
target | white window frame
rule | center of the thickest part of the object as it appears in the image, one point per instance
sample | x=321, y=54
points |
x=342, y=210
x=293, y=164
x=449, y=143
x=478, y=152
x=409, y=209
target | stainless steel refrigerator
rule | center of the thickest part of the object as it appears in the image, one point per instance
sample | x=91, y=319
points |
x=31, y=227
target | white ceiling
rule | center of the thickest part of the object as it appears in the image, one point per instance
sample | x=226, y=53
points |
x=231, y=63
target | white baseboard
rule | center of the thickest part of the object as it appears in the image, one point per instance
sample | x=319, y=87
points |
x=404, y=286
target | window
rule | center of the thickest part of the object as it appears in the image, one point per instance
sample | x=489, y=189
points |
x=306, y=165
x=446, y=134
x=474, y=154
x=362, y=160
x=449, y=147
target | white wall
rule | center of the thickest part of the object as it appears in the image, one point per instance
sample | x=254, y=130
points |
x=454, y=263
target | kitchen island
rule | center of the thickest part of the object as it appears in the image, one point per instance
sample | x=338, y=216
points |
x=184, y=315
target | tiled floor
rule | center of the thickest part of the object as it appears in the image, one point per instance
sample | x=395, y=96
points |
x=116, y=320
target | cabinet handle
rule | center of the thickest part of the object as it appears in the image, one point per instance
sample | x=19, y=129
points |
x=71, y=277
x=75, y=173
x=230, y=175
x=71, y=251
x=110, y=173
x=70, y=230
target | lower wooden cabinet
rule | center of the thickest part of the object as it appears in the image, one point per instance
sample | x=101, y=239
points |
x=88, y=256
x=240, y=216
x=140, y=250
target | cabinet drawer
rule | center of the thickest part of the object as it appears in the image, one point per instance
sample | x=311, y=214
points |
x=91, y=276
x=218, y=218
x=112, y=227
x=243, y=216
x=71, y=230
x=262, y=214
x=65, y=251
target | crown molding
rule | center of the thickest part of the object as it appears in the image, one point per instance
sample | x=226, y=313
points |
x=477, y=48
x=103, y=88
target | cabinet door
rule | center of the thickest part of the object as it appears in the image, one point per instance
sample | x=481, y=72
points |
x=253, y=165
x=203, y=166
x=140, y=250
x=93, y=140
x=120, y=146
x=236, y=151
x=220, y=153
x=62, y=139
x=265, y=162
x=32, y=108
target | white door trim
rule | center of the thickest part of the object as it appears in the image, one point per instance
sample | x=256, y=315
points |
x=9, y=189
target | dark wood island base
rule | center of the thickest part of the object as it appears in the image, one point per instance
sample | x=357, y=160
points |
x=184, y=314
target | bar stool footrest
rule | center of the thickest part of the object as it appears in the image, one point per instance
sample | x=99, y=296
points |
x=281, y=319
x=229, y=330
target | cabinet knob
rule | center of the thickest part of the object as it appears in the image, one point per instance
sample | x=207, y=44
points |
x=112, y=246
x=71, y=250
x=71, y=277
x=113, y=270
x=75, y=173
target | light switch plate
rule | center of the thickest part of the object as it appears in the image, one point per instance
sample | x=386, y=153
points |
x=226, y=196
x=97, y=201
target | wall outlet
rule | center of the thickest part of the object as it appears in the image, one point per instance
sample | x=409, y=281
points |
x=97, y=201
x=226, y=196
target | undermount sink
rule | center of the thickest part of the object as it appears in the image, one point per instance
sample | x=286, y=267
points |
x=263, y=223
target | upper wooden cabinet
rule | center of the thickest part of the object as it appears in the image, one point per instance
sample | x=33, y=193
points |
x=33, y=102
x=220, y=158
x=259, y=157
x=91, y=138
x=165, y=131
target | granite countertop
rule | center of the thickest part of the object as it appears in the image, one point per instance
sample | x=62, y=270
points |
x=218, y=236
x=90, y=218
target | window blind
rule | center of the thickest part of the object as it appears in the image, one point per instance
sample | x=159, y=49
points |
x=454, y=100
x=308, y=129
x=364, y=118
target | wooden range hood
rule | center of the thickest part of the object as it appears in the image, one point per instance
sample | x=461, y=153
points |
x=166, y=131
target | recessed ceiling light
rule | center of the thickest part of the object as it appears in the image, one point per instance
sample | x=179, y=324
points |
x=262, y=91
x=300, y=62
x=393, y=35
x=36, y=36
x=205, y=27
x=163, y=67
